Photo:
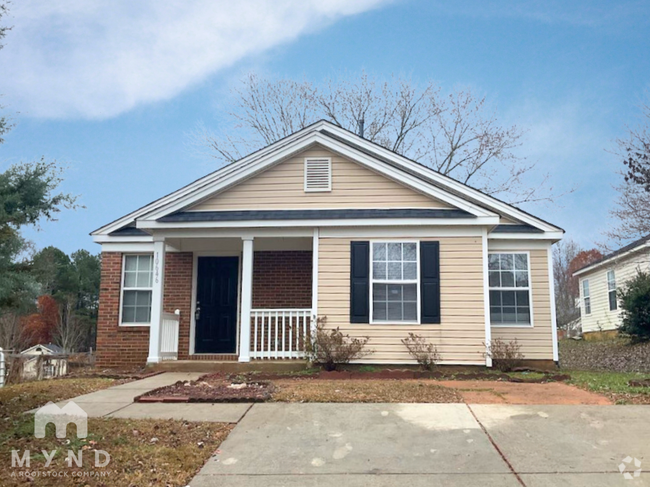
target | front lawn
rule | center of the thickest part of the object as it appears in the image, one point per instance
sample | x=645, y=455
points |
x=309, y=390
x=143, y=452
x=614, y=385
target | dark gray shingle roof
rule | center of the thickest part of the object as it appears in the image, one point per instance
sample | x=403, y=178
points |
x=229, y=216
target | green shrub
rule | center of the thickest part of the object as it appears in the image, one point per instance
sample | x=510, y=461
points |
x=425, y=353
x=634, y=298
x=330, y=348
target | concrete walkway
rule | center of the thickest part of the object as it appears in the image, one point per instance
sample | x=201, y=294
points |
x=335, y=445
x=117, y=402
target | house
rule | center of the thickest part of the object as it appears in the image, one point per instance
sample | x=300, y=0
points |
x=323, y=223
x=599, y=281
x=43, y=362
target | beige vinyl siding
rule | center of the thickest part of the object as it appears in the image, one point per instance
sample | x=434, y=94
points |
x=601, y=318
x=461, y=333
x=282, y=187
x=537, y=341
x=507, y=221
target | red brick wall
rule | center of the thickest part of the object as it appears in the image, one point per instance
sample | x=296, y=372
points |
x=128, y=346
x=282, y=279
x=178, y=295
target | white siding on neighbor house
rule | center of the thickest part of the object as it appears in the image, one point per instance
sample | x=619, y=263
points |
x=461, y=333
x=283, y=187
x=601, y=318
x=536, y=341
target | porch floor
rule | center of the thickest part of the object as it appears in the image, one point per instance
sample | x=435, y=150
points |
x=207, y=366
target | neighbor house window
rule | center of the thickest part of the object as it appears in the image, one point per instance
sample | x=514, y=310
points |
x=509, y=280
x=611, y=290
x=394, y=282
x=585, y=296
x=137, y=281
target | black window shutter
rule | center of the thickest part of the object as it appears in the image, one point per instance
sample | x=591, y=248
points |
x=359, y=282
x=430, y=282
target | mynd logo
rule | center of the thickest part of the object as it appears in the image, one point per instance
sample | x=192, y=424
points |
x=60, y=417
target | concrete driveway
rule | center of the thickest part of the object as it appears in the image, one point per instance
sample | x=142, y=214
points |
x=303, y=445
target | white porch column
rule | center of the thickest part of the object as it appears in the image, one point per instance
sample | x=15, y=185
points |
x=157, y=300
x=314, y=279
x=246, y=300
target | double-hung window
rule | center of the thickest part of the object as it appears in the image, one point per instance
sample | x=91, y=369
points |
x=137, y=282
x=510, y=295
x=394, y=282
x=585, y=296
x=611, y=290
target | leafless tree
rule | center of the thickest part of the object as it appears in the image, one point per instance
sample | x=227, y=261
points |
x=456, y=134
x=566, y=289
x=70, y=328
x=631, y=213
x=11, y=337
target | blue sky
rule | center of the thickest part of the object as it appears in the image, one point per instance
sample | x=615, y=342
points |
x=114, y=92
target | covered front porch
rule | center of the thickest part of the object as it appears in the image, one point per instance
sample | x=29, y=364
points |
x=233, y=297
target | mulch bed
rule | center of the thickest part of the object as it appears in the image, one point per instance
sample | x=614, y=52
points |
x=398, y=374
x=214, y=388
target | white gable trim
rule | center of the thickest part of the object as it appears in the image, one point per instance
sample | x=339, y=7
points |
x=205, y=180
x=504, y=208
x=275, y=153
x=313, y=138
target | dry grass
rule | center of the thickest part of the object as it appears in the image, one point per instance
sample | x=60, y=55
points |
x=307, y=390
x=143, y=452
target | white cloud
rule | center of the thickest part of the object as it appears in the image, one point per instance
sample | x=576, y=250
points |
x=97, y=59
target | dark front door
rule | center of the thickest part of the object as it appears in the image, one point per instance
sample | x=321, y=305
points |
x=216, y=305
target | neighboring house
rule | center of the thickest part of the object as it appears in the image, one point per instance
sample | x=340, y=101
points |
x=598, y=281
x=44, y=362
x=235, y=265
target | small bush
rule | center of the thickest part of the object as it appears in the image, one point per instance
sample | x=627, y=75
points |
x=330, y=348
x=426, y=354
x=634, y=299
x=505, y=355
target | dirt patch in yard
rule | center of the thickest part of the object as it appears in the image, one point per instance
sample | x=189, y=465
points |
x=311, y=390
x=485, y=392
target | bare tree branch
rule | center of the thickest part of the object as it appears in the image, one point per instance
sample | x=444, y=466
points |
x=454, y=134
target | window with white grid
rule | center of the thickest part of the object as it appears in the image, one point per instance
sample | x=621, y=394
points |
x=510, y=297
x=137, y=283
x=395, y=282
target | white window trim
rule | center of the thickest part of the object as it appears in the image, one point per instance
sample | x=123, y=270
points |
x=416, y=282
x=329, y=175
x=122, y=289
x=609, y=291
x=530, y=291
x=586, y=297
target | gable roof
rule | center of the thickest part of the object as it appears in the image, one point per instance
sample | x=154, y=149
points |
x=50, y=347
x=362, y=151
x=621, y=253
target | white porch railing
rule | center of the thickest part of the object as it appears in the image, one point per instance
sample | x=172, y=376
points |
x=169, y=335
x=279, y=333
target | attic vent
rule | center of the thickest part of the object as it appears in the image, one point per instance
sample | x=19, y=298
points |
x=318, y=174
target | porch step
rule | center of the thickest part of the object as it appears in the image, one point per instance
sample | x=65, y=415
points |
x=230, y=366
